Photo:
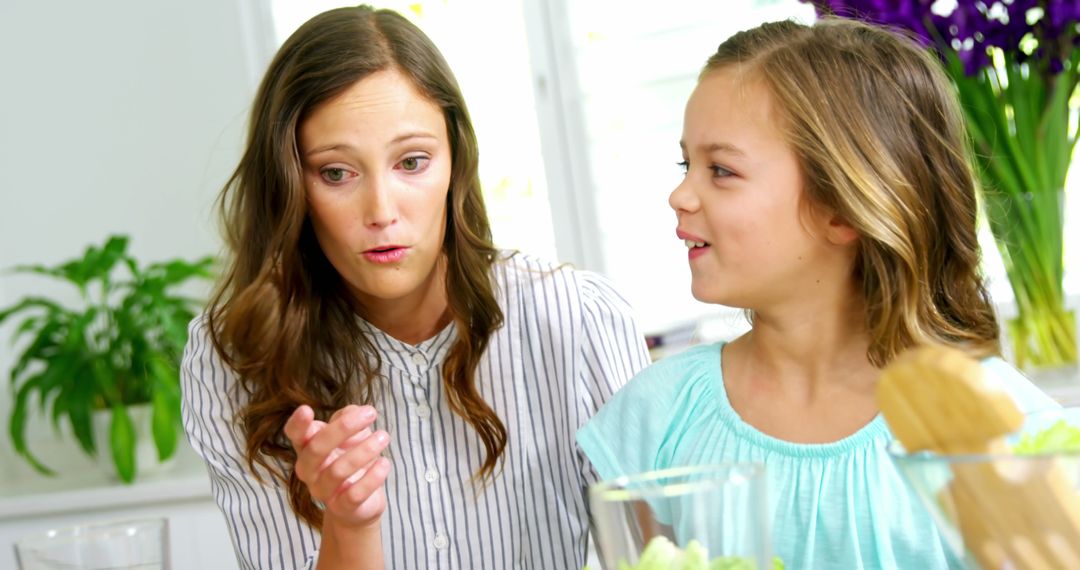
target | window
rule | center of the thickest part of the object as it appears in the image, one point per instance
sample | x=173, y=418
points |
x=635, y=69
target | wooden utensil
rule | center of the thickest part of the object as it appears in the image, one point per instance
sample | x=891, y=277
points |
x=1012, y=513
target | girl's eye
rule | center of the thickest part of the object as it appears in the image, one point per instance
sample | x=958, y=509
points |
x=717, y=170
x=414, y=163
x=334, y=175
x=720, y=171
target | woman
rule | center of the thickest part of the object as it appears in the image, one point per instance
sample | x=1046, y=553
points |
x=363, y=273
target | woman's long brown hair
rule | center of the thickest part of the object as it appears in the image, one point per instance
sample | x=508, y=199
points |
x=881, y=141
x=281, y=317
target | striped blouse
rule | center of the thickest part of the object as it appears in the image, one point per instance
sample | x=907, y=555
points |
x=568, y=343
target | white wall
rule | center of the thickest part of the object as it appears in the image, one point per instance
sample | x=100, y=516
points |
x=117, y=116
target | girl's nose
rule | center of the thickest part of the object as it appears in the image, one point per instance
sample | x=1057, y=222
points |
x=683, y=198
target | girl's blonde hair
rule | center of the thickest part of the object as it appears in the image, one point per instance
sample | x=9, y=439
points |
x=879, y=133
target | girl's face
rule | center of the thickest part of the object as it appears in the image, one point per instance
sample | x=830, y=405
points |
x=376, y=163
x=752, y=240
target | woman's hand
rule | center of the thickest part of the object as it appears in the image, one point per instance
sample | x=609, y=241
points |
x=340, y=464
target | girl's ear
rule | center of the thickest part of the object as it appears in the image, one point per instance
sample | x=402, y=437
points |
x=839, y=232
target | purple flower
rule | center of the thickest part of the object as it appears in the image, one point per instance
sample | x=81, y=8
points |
x=974, y=26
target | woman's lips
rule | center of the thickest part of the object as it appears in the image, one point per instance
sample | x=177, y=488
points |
x=386, y=254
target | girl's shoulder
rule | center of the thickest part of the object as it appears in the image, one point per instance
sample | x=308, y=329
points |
x=640, y=427
x=688, y=376
x=697, y=362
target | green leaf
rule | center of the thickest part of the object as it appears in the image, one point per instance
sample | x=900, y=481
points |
x=38, y=269
x=122, y=442
x=106, y=380
x=30, y=303
x=1061, y=437
x=56, y=374
x=38, y=349
x=80, y=407
x=165, y=422
x=26, y=326
x=114, y=250
x=178, y=271
x=75, y=270
x=175, y=330
x=60, y=407
x=17, y=425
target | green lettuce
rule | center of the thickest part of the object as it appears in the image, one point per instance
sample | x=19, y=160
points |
x=1058, y=438
x=662, y=554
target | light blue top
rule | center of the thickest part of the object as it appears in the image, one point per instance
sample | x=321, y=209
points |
x=834, y=505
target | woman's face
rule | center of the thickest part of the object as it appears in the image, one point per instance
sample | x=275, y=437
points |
x=741, y=207
x=376, y=163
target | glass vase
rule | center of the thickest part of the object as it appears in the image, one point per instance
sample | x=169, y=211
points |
x=1029, y=231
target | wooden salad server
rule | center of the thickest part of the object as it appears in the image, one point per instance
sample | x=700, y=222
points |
x=1012, y=514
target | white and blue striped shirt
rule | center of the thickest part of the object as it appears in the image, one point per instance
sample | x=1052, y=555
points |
x=568, y=343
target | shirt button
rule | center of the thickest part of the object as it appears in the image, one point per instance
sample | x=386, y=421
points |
x=423, y=411
x=418, y=359
x=441, y=541
x=431, y=475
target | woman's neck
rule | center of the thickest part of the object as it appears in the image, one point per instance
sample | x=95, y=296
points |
x=416, y=317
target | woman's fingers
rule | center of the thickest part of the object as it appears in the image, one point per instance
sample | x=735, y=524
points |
x=312, y=457
x=299, y=427
x=339, y=461
x=335, y=477
x=363, y=500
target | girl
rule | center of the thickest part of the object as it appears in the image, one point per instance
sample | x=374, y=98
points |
x=363, y=273
x=828, y=193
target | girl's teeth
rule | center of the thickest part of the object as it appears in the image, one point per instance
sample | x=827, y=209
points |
x=691, y=243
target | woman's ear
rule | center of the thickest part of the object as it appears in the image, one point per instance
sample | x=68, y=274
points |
x=839, y=231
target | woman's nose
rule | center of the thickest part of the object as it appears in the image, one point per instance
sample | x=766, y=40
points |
x=379, y=205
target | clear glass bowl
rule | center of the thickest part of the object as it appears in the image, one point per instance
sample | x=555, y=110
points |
x=710, y=516
x=995, y=511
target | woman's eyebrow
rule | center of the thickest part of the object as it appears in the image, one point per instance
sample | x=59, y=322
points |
x=396, y=140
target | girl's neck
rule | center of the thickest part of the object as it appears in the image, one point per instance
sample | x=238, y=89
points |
x=803, y=376
x=808, y=351
x=416, y=317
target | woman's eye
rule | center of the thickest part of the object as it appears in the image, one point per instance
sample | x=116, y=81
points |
x=334, y=175
x=684, y=166
x=413, y=163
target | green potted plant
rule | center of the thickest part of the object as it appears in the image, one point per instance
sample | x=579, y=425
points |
x=120, y=348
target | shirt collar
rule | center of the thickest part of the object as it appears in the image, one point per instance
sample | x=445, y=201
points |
x=415, y=360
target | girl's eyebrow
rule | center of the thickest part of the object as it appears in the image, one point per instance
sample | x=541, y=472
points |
x=717, y=147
